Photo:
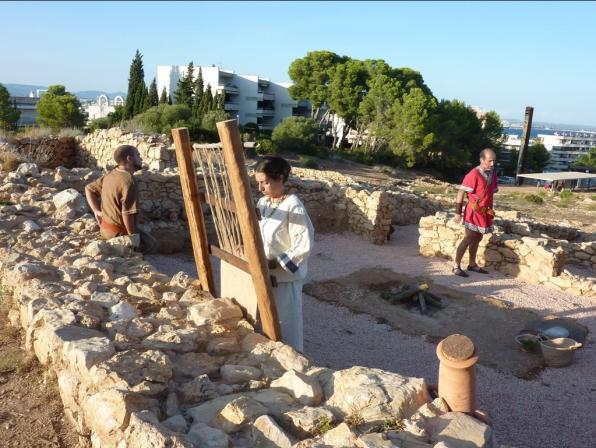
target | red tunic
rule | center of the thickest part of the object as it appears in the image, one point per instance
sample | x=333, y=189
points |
x=483, y=185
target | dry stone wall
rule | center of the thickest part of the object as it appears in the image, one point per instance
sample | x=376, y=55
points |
x=147, y=360
x=335, y=202
x=535, y=259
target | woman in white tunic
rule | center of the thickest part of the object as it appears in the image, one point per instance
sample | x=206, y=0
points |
x=288, y=237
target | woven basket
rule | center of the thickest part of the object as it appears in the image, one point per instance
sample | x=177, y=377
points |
x=558, y=352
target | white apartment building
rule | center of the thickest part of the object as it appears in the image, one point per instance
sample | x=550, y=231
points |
x=566, y=147
x=251, y=99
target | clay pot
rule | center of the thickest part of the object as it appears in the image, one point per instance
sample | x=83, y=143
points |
x=457, y=373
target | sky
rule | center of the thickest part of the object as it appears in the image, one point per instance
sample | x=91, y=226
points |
x=500, y=56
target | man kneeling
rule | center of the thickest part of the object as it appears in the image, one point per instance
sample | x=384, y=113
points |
x=114, y=199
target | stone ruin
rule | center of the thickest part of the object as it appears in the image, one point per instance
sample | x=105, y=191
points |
x=556, y=256
x=143, y=359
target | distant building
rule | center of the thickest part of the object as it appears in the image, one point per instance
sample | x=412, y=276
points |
x=251, y=99
x=566, y=147
x=26, y=105
x=102, y=107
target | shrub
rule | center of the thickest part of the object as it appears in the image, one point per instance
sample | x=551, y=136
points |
x=534, y=199
x=308, y=162
x=265, y=146
x=10, y=162
x=566, y=195
x=298, y=134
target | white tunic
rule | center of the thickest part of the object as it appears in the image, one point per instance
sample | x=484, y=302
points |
x=288, y=237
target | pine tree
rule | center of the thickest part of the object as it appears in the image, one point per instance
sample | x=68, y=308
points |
x=153, y=98
x=208, y=99
x=198, y=91
x=163, y=99
x=185, y=87
x=9, y=114
x=137, y=91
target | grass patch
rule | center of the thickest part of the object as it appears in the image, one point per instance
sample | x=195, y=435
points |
x=393, y=424
x=534, y=199
x=566, y=195
x=308, y=162
x=323, y=426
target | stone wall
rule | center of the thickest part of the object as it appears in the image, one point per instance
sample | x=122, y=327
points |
x=147, y=360
x=335, y=202
x=535, y=259
x=97, y=149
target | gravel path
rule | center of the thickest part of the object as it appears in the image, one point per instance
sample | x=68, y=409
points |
x=557, y=409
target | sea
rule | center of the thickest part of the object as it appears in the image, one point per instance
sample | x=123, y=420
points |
x=533, y=132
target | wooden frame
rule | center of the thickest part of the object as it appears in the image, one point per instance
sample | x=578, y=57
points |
x=256, y=262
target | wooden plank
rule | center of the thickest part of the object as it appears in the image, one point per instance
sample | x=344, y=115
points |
x=233, y=152
x=192, y=204
x=232, y=259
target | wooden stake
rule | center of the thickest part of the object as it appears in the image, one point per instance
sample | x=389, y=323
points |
x=192, y=203
x=233, y=152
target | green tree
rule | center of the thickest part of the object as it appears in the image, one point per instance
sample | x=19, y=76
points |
x=311, y=76
x=9, y=114
x=458, y=137
x=537, y=158
x=199, y=90
x=297, y=134
x=411, y=134
x=137, y=90
x=153, y=97
x=185, y=87
x=211, y=118
x=163, y=99
x=587, y=160
x=493, y=131
x=58, y=108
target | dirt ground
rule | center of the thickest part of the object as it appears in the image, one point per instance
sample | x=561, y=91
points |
x=31, y=413
x=490, y=323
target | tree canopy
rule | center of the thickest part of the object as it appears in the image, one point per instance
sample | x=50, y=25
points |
x=137, y=90
x=9, y=114
x=58, y=108
x=588, y=160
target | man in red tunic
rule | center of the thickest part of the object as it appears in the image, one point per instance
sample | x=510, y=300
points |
x=479, y=185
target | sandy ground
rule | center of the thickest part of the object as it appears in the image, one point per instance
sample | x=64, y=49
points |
x=555, y=409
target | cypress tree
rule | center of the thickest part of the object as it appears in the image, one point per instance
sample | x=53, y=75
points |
x=137, y=91
x=198, y=90
x=163, y=99
x=153, y=98
x=208, y=99
x=185, y=87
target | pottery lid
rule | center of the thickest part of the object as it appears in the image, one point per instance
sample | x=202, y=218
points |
x=457, y=347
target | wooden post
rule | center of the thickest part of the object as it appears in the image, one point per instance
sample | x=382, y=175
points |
x=192, y=203
x=233, y=152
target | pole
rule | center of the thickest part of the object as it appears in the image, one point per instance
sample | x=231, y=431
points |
x=523, y=149
x=192, y=204
x=233, y=152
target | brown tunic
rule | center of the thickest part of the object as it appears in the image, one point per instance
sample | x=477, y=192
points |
x=119, y=196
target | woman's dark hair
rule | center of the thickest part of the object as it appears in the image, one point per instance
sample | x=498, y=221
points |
x=274, y=167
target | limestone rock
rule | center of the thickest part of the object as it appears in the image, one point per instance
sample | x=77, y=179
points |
x=216, y=311
x=145, y=372
x=238, y=414
x=202, y=435
x=183, y=340
x=235, y=374
x=340, y=436
x=144, y=431
x=176, y=423
x=266, y=433
x=459, y=429
x=306, y=421
x=199, y=389
x=303, y=388
x=196, y=364
x=374, y=394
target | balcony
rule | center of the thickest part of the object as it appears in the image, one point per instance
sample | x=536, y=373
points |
x=231, y=89
x=266, y=112
x=262, y=96
x=231, y=106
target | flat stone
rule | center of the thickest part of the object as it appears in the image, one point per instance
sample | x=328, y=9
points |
x=266, y=433
x=458, y=347
x=238, y=414
x=235, y=374
x=196, y=364
x=203, y=435
x=303, y=388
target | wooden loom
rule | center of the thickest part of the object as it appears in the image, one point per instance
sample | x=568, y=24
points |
x=227, y=192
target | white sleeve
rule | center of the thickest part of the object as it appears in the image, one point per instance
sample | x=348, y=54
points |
x=301, y=234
